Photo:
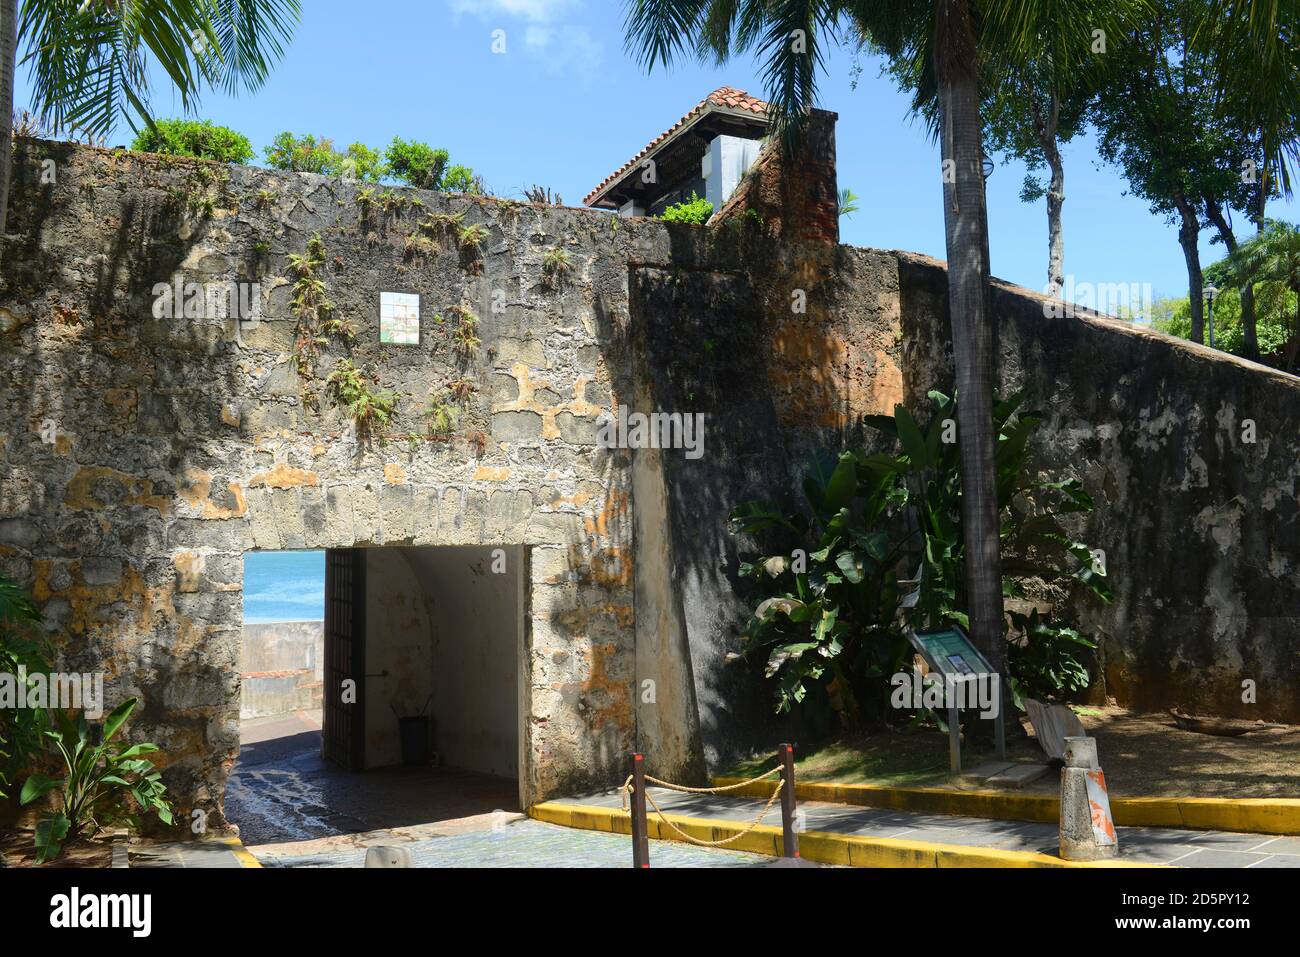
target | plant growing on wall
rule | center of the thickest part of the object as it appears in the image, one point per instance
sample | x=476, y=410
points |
x=462, y=179
x=202, y=139
x=301, y=154
x=695, y=211
x=465, y=338
x=103, y=784
x=21, y=729
x=555, y=267
x=309, y=304
x=881, y=550
x=415, y=163
x=442, y=413
x=371, y=410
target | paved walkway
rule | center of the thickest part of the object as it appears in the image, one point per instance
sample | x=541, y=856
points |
x=518, y=843
x=212, y=852
x=281, y=790
x=1152, y=845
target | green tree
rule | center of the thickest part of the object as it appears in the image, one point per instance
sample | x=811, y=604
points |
x=1274, y=305
x=194, y=138
x=415, y=163
x=943, y=38
x=90, y=62
x=1261, y=87
x=1270, y=258
x=301, y=154
x=1193, y=132
x=1035, y=99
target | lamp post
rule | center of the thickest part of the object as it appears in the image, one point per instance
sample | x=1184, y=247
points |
x=1211, y=292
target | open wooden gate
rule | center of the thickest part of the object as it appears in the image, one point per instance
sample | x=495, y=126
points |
x=343, y=734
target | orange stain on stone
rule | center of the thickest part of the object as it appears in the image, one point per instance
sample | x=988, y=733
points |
x=283, y=476
x=136, y=491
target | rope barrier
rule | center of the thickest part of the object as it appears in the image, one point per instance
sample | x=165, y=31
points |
x=637, y=787
x=626, y=789
x=715, y=790
x=726, y=840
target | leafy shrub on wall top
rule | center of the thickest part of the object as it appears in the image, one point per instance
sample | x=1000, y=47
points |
x=415, y=163
x=695, y=211
x=202, y=139
x=301, y=154
x=881, y=551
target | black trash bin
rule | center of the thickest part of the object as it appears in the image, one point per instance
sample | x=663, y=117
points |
x=415, y=731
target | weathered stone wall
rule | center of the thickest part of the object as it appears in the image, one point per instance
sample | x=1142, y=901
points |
x=142, y=456
x=1193, y=457
x=282, y=667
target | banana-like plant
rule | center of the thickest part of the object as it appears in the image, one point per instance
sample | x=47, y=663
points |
x=877, y=548
x=21, y=729
x=105, y=783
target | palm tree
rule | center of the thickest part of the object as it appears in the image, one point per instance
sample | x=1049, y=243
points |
x=1270, y=256
x=942, y=40
x=1253, y=42
x=8, y=53
x=90, y=61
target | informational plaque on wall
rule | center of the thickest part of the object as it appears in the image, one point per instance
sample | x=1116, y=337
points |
x=399, y=318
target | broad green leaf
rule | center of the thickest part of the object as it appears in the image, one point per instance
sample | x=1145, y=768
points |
x=36, y=786
x=117, y=717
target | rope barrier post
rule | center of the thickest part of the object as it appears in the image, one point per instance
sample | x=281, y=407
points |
x=789, y=836
x=640, y=837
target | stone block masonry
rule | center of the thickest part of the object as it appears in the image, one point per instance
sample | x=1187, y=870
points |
x=142, y=456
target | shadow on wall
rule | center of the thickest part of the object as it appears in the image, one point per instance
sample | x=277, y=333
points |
x=109, y=382
x=1193, y=459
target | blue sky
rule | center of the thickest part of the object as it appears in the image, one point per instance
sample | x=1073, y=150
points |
x=565, y=105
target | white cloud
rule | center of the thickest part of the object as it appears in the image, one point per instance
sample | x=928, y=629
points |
x=567, y=48
x=550, y=34
x=535, y=11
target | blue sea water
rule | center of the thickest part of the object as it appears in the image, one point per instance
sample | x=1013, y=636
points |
x=284, y=586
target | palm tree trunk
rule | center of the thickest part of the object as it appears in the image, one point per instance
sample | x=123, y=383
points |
x=8, y=51
x=966, y=229
x=1188, y=234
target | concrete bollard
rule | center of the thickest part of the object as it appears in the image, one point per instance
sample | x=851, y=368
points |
x=1087, y=828
x=388, y=856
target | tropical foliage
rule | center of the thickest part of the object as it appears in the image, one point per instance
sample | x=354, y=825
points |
x=103, y=783
x=21, y=729
x=1270, y=262
x=695, y=211
x=202, y=139
x=876, y=547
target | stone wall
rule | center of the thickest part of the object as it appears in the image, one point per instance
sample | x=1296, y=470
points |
x=1193, y=458
x=143, y=456
x=282, y=666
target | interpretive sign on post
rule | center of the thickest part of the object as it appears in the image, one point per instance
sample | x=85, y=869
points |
x=963, y=668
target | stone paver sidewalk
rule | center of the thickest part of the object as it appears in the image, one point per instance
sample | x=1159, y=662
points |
x=1151, y=845
x=520, y=843
x=213, y=852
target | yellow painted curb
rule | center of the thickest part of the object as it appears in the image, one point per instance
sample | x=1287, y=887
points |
x=242, y=854
x=824, y=847
x=1249, y=815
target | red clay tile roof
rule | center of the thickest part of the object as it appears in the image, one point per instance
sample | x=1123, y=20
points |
x=724, y=97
